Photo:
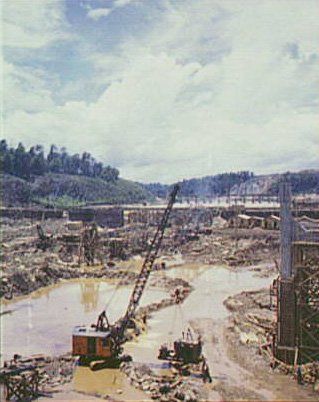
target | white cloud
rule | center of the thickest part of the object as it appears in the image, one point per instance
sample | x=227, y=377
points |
x=208, y=89
x=25, y=89
x=122, y=3
x=32, y=24
x=97, y=13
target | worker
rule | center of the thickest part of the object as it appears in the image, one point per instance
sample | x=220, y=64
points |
x=199, y=340
x=205, y=372
x=177, y=296
x=144, y=318
x=299, y=375
x=189, y=336
x=102, y=321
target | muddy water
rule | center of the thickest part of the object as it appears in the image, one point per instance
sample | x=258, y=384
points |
x=212, y=285
x=43, y=322
x=106, y=382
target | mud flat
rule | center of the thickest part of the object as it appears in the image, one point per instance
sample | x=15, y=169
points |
x=45, y=320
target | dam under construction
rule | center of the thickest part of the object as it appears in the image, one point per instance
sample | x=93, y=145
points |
x=184, y=301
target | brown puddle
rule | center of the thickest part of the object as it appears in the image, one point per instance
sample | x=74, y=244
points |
x=106, y=382
x=43, y=322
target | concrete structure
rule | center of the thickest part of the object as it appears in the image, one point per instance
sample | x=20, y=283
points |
x=31, y=213
x=111, y=217
x=179, y=217
x=297, y=329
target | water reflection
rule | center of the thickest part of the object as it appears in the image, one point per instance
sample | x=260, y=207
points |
x=89, y=295
x=43, y=322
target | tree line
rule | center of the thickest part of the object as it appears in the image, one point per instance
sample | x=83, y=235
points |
x=208, y=186
x=304, y=182
x=26, y=164
x=217, y=185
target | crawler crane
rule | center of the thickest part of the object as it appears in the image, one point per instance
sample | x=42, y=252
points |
x=100, y=344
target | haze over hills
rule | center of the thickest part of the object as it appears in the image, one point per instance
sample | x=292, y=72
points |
x=62, y=180
x=241, y=183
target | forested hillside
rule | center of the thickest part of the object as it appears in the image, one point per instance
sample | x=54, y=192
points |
x=29, y=163
x=59, y=179
x=241, y=183
x=208, y=186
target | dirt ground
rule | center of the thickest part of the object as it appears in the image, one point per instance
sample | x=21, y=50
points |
x=25, y=268
x=238, y=371
x=232, y=349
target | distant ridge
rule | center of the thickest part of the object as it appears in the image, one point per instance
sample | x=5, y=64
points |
x=241, y=183
x=62, y=180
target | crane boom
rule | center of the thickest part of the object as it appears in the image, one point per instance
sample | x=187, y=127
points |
x=149, y=260
x=103, y=341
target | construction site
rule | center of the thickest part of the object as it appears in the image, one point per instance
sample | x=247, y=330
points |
x=174, y=302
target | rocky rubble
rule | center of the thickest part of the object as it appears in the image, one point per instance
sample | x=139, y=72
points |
x=163, y=388
x=233, y=248
x=251, y=324
x=26, y=279
x=53, y=371
x=24, y=268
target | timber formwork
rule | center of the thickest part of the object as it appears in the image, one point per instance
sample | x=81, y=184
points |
x=297, y=332
x=306, y=268
x=20, y=385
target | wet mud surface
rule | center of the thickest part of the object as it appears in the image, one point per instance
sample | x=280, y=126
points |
x=203, y=310
x=48, y=300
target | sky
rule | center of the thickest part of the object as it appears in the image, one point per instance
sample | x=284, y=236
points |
x=165, y=89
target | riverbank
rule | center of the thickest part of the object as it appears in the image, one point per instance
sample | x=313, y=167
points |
x=25, y=268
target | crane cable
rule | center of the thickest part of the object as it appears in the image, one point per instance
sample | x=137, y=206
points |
x=178, y=308
x=109, y=301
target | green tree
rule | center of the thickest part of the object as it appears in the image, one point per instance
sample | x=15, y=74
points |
x=38, y=162
x=21, y=162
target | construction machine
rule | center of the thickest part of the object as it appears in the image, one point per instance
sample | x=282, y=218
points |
x=100, y=345
x=186, y=350
x=45, y=241
x=89, y=244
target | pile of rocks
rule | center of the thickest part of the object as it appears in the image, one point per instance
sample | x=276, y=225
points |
x=310, y=373
x=162, y=388
x=232, y=248
x=25, y=275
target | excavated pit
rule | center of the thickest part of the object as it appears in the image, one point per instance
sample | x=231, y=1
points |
x=44, y=297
